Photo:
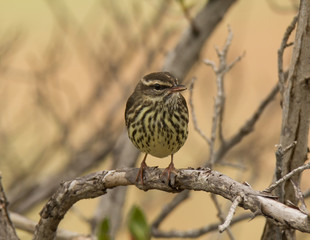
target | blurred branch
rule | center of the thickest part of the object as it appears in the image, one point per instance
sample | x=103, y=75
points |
x=247, y=127
x=111, y=205
x=279, y=6
x=195, y=233
x=25, y=224
x=26, y=198
x=192, y=108
x=8, y=44
x=169, y=208
x=7, y=230
x=180, y=60
x=306, y=193
x=96, y=184
x=283, y=46
x=188, y=17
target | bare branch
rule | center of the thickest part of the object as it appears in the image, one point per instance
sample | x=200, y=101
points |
x=111, y=206
x=200, y=231
x=169, y=208
x=96, y=184
x=7, y=230
x=231, y=213
x=28, y=225
x=280, y=152
x=194, y=118
x=247, y=127
x=188, y=17
x=181, y=58
x=219, y=105
x=283, y=46
x=237, y=59
x=221, y=215
x=287, y=176
x=298, y=193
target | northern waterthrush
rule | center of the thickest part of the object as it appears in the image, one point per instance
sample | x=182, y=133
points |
x=156, y=117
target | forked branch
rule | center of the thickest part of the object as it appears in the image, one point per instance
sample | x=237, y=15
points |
x=207, y=180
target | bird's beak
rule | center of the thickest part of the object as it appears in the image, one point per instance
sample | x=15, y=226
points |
x=177, y=88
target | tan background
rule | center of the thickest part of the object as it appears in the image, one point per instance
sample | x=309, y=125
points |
x=258, y=28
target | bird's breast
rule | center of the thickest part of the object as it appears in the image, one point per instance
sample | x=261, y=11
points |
x=159, y=130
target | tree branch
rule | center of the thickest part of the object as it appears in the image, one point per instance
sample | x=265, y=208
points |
x=287, y=176
x=7, y=230
x=25, y=224
x=220, y=215
x=247, y=127
x=182, y=57
x=207, y=180
x=199, y=231
x=192, y=108
x=231, y=213
x=219, y=105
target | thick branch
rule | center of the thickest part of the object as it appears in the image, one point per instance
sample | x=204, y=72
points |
x=295, y=115
x=98, y=183
x=296, y=102
x=186, y=53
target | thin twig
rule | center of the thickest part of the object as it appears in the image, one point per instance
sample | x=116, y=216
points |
x=279, y=157
x=283, y=46
x=300, y=197
x=287, y=176
x=237, y=59
x=280, y=152
x=231, y=213
x=247, y=127
x=198, y=232
x=28, y=225
x=169, y=208
x=194, y=118
x=219, y=104
x=220, y=214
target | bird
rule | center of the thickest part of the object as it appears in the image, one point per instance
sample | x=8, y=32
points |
x=156, y=117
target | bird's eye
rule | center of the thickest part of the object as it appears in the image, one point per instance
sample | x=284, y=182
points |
x=157, y=86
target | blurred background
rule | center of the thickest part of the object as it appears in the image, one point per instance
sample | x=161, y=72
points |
x=67, y=69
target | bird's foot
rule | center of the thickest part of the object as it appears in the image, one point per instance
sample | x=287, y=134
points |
x=170, y=169
x=143, y=166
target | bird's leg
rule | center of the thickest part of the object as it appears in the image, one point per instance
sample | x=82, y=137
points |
x=142, y=167
x=170, y=169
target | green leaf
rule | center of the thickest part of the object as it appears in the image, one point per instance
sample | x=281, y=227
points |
x=103, y=230
x=137, y=224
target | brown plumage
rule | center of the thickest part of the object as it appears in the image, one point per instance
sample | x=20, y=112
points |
x=156, y=117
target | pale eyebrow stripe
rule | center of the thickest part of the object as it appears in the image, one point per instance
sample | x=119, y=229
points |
x=152, y=82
